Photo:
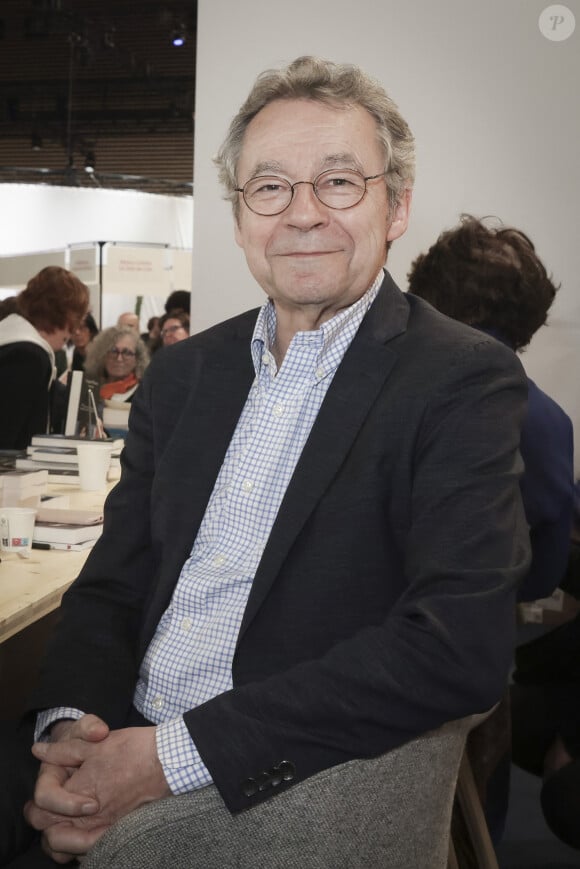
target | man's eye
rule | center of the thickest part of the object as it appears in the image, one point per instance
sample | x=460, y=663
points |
x=270, y=187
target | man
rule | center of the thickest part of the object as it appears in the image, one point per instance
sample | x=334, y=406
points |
x=311, y=555
x=130, y=320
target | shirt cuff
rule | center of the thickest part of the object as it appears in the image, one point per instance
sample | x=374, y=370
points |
x=182, y=765
x=49, y=716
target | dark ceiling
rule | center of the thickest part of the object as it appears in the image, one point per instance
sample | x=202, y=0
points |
x=97, y=80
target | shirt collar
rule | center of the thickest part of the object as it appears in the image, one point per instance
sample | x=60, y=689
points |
x=333, y=337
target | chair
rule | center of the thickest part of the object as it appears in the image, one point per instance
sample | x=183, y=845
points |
x=390, y=812
x=469, y=804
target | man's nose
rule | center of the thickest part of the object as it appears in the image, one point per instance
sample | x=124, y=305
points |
x=306, y=209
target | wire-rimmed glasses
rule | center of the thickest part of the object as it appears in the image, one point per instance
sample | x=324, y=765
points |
x=269, y=195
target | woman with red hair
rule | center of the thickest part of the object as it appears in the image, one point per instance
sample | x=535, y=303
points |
x=48, y=310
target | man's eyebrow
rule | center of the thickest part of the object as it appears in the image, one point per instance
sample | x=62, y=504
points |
x=345, y=159
x=267, y=167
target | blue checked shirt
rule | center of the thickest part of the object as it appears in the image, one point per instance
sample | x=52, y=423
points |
x=189, y=660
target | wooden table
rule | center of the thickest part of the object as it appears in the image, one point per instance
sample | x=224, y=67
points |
x=31, y=588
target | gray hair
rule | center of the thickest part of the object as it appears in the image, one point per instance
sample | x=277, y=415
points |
x=105, y=341
x=338, y=85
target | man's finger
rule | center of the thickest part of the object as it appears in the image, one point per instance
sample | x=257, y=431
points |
x=64, y=841
x=50, y=794
x=68, y=752
x=90, y=728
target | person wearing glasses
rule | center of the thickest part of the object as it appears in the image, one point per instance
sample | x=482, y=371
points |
x=312, y=554
x=117, y=359
x=174, y=327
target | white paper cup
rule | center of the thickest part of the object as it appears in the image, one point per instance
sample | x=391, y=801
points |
x=94, y=461
x=16, y=529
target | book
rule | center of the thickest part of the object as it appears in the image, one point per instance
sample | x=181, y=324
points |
x=29, y=464
x=66, y=441
x=69, y=516
x=81, y=409
x=19, y=479
x=73, y=400
x=20, y=488
x=68, y=547
x=58, y=475
x=65, y=532
x=62, y=455
x=62, y=502
x=116, y=415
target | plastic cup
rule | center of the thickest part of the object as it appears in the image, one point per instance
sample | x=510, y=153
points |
x=94, y=460
x=16, y=529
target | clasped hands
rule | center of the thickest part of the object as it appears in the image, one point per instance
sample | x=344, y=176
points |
x=90, y=777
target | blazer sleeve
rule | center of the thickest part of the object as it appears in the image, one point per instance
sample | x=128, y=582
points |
x=547, y=447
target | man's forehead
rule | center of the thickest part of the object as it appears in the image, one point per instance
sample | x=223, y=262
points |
x=307, y=131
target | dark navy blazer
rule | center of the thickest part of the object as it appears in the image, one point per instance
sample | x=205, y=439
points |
x=383, y=604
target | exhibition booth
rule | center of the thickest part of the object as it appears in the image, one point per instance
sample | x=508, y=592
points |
x=131, y=249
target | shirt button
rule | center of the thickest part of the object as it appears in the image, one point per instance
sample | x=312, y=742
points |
x=265, y=359
x=157, y=702
x=247, y=486
x=219, y=560
x=320, y=372
x=186, y=625
x=278, y=410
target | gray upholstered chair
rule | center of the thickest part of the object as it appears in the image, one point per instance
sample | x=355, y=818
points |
x=391, y=812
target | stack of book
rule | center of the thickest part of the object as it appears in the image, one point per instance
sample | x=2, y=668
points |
x=66, y=529
x=20, y=488
x=116, y=417
x=58, y=455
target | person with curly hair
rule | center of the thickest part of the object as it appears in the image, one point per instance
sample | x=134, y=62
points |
x=492, y=279
x=47, y=311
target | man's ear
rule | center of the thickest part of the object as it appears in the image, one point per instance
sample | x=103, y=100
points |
x=400, y=220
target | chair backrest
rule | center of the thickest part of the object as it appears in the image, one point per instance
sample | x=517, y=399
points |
x=392, y=812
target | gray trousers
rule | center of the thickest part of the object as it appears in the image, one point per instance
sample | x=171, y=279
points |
x=391, y=812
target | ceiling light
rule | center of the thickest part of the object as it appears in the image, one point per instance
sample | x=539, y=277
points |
x=90, y=162
x=178, y=36
x=36, y=142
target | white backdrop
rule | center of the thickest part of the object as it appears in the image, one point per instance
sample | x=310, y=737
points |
x=495, y=109
x=37, y=217
x=43, y=225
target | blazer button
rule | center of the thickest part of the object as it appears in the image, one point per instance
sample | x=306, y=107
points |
x=287, y=770
x=275, y=776
x=250, y=787
x=263, y=781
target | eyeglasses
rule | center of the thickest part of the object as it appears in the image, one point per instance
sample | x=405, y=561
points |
x=171, y=330
x=337, y=188
x=124, y=352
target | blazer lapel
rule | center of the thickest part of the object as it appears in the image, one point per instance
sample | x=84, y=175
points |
x=195, y=451
x=367, y=364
